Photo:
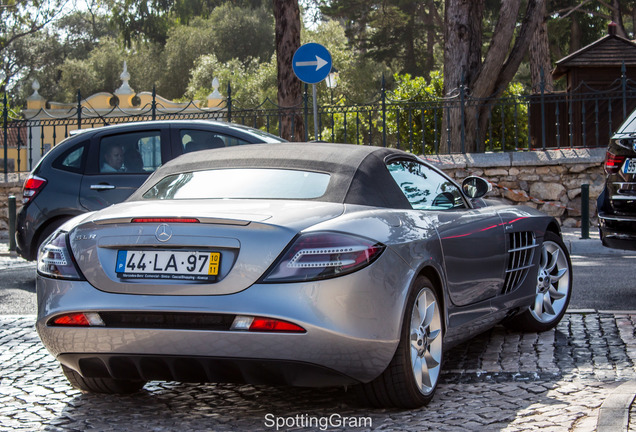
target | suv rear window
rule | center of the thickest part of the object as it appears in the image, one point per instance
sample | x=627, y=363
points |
x=193, y=140
x=72, y=159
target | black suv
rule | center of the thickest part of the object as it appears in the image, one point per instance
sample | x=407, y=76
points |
x=94, y=168
x=617, y=203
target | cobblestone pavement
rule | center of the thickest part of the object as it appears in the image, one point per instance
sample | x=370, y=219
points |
x=10, y=259
x=500, y=381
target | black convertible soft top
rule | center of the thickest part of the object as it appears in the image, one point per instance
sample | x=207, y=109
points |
x=358, y=173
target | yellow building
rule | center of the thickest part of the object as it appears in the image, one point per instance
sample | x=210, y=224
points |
x=48, y=123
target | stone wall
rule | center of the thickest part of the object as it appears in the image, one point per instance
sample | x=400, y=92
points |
x=548, y=180
x=12, y=186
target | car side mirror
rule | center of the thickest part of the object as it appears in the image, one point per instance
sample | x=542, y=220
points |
x=476, y=187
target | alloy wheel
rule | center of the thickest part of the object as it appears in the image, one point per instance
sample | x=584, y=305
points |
x=426, y=341
x=553, y=283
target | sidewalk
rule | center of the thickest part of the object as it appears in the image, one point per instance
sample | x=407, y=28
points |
x=11, y=258
x=586, y=247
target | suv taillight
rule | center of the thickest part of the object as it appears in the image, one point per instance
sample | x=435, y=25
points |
x=32, y=186
x=613, y=163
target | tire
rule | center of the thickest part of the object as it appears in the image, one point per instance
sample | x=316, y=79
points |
x=411, y=378
x=101, y=385
x=553, y=289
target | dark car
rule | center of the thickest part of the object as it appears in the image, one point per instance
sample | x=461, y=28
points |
x=617, y=203
x=95, y=168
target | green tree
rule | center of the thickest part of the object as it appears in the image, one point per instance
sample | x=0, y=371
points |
x=98, y=73
x=416, y=99
x=34, y=57
x=142, y=20
x=252, y=82
x=184, y=46
x=359, y=77
x=574, y=24
x=42, y=54
x=152, y=20
x=20, y=19
x=242, y=32
x=230, y=32
x=406, y=32
x=147, y=67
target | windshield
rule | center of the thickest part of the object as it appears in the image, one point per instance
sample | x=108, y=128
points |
x=235, y=183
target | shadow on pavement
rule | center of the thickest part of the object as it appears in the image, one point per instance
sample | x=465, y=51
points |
x=497, y=380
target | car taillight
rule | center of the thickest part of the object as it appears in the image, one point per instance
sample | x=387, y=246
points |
x=32, y=186
x=165, y=220
x=80, y=319
x=613, y=163
x=268, y=325
x=318, y=256
x=55, y=259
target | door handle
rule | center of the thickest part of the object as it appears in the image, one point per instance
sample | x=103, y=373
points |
x=101, y=187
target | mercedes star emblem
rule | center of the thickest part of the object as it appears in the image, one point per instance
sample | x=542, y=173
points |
x=163, y=233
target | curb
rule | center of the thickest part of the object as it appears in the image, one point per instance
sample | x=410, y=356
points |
x=614, y=413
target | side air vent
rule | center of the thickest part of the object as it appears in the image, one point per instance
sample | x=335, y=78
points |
x=520, y=255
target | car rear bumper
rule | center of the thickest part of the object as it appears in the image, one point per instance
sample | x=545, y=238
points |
x=617, y=232
x=352, y=328
x=198, y=369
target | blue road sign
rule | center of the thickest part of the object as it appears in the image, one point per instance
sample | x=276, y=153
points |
x=311, y=63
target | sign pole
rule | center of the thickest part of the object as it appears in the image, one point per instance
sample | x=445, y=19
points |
x=315, y=112
x=311, y=64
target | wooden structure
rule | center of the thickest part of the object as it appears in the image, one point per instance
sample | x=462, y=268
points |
x=601, y=92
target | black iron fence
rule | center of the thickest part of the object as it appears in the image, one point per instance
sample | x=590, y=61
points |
x=582, y=117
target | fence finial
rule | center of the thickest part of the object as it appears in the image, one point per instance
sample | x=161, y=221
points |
x=215, y=98
x=36, y=101
x=125, y=89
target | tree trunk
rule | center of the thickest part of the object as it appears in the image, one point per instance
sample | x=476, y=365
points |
x=462, y=64
x=287, y=15
x=634, y=21
x=617, y=17
x=575, y=36
x=462, y=59
x=410, y=57
x=540, y=63
x=433, y=23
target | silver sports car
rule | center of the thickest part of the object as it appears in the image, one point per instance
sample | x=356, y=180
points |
x=300, y=264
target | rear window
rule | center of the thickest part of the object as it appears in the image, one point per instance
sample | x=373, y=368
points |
x=250, y=183
x=266, y=137
x=629, y=125
x=194, y=140
x=72, y=159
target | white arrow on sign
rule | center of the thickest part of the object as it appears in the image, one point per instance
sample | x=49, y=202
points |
x=319, y=63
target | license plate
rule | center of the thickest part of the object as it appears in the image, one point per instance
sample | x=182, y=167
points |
x=630, y=166
x=173, y=265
